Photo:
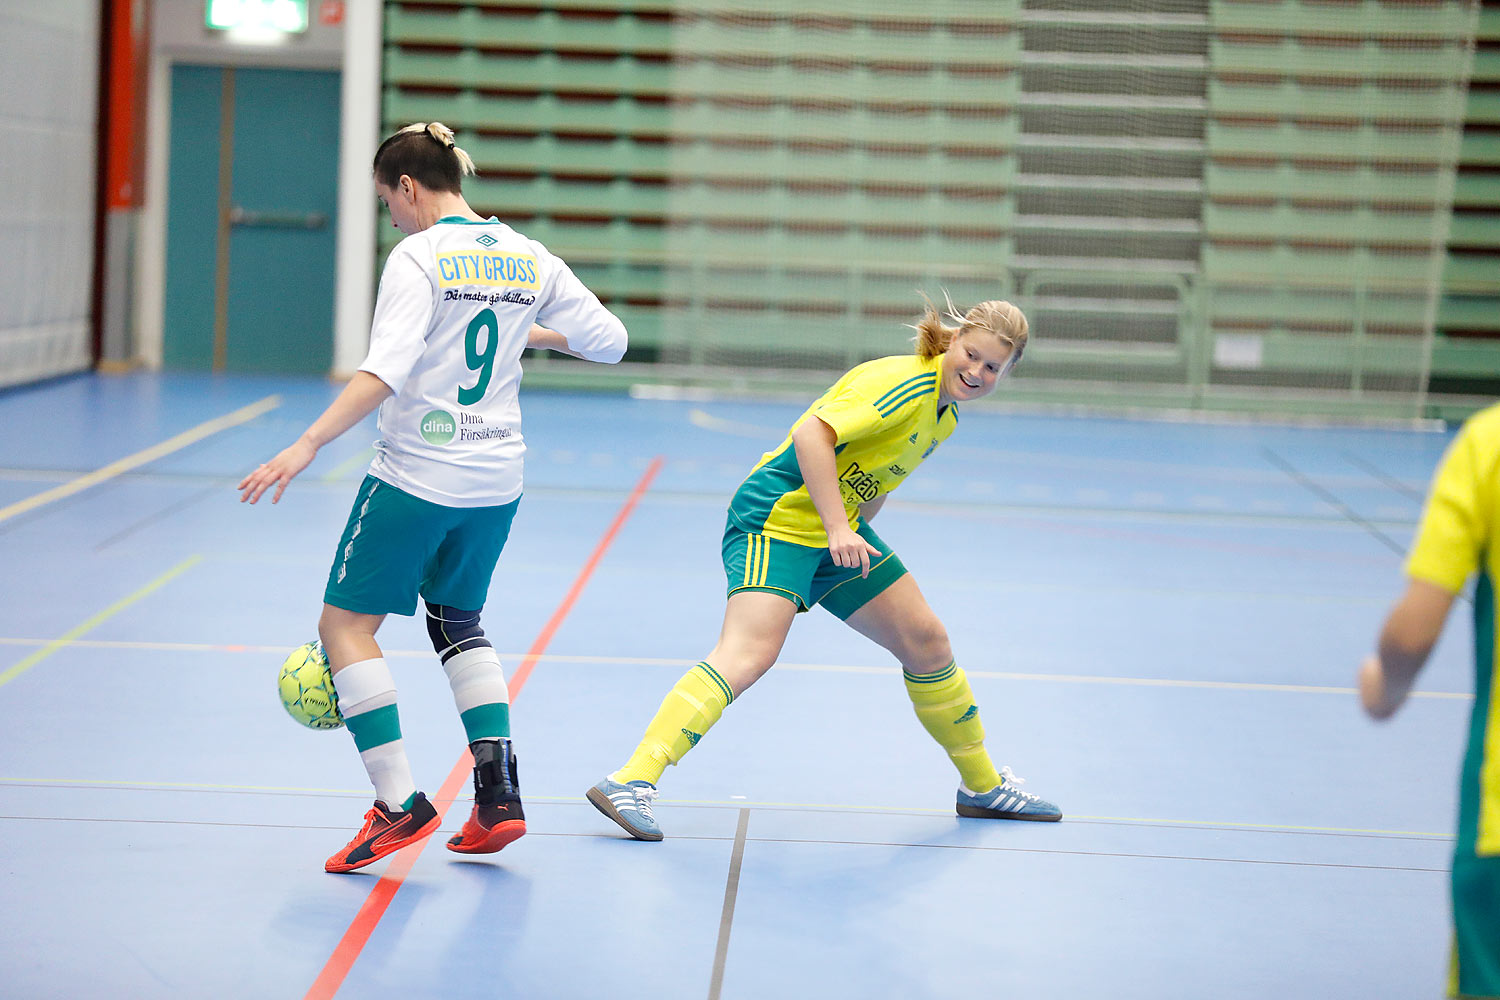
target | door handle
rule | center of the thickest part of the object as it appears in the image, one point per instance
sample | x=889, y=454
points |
x=240, y=216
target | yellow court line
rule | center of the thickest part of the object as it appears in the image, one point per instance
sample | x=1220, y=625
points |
x=151, y=454
x=829, y=668
x=336, y=473
x=73, y=633
x=1210, y=685
x=1270, y=827
x=1137, y=820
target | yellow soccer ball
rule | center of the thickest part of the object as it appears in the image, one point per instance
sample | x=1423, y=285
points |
x=307, y=690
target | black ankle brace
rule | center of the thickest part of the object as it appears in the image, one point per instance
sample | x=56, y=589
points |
x=494, y=772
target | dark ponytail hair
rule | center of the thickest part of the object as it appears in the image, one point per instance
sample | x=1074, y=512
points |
x=424, y=152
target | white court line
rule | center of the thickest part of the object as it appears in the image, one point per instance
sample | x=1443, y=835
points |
x=734, y=802
x=1263, y=513
x=710, y=422
x=151, y=454
x=826, y=668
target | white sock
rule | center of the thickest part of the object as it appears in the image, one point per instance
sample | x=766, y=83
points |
x=367, y=701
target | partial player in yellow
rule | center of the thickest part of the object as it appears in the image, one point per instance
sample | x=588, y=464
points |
x=799, y=535
x=1458, y=537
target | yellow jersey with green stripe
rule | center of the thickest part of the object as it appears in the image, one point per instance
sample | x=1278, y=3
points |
x=885, y=416
x=1457, y=536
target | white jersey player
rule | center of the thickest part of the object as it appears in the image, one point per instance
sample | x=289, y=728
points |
x=460, y=298
x=456, y=306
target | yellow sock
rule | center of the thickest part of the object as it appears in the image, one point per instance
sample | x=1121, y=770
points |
x=689, y=709
x=945, y=706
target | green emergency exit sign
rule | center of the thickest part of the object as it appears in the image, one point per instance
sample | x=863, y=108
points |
x=257, y=15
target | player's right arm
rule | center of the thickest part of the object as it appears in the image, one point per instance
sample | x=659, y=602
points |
x=814, y=441
x=1406, y=640
x=358, y=400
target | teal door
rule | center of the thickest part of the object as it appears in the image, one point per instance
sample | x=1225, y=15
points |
x=252, y=195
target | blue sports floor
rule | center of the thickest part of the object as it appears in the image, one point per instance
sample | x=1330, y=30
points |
x=1161, y=622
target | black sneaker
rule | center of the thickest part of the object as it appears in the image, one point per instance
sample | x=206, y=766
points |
x=496, y=819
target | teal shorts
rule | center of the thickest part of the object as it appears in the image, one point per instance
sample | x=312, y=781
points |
x=804, y=575
x=397, y=546
x=1475, y=885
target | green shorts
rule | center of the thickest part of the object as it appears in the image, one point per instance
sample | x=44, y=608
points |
x=804, y=575
x=397, y=546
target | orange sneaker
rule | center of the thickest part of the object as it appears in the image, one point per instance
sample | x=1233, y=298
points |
x=497, y=819
x=385, y=832
x=489, y=828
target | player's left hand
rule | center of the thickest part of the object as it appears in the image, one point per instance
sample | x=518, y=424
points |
x=849, y=550
x=280, y=471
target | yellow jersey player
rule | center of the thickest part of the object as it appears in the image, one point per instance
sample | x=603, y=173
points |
x=799, y=535
x=1458, y=536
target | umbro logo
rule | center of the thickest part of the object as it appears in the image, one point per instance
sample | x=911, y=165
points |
x=896, y=470
x=693, y=737
x=486, y=240
x=912, y=439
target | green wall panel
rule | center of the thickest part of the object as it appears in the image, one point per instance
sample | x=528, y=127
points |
x=770, y=187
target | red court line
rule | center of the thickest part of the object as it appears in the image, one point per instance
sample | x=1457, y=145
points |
x=353, y=942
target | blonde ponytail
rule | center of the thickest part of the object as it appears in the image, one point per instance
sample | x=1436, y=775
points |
x=444, y=135
x=933, y=336
x=1002, y=319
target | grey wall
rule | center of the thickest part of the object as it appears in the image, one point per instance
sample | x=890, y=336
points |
x=49, y=67
x=178, y=32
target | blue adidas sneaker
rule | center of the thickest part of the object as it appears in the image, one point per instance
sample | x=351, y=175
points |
x=629, y=805
x=1006, y=801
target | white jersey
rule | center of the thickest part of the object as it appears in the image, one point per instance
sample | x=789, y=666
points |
x=454, y=312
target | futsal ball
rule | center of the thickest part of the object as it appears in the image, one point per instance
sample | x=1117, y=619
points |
x=307, y=689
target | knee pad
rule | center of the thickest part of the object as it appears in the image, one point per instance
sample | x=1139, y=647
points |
x=453, y=630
